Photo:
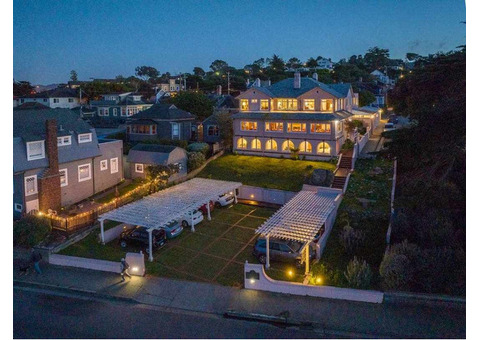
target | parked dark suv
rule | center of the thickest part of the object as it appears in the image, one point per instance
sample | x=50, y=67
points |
x=138, y=236
x=280, y=250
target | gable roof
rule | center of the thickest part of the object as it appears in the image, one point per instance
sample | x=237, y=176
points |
x=32, y=106
x=151, y=153
x=60, y=92
x=164, y=112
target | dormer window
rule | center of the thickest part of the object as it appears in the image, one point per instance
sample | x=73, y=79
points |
x=309, y=104
x=35, y=150
x=65, y=140
x=244, y=104
x=84, y=138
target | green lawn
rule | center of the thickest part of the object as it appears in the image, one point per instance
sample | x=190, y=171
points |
x=121, y=191
x=372, y=220
x=265, y=172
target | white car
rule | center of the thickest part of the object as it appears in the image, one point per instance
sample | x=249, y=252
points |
x=225, y=199
x=389, y=127
x=187, y=219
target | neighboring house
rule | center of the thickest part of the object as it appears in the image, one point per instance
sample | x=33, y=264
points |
x=380, y=92
x=32, y=106
x=61, y=97
x=119, y=105
x=161, y=121
x=382, y=78
x=143, y=155
x=210, y=130
x=174, y=85
x=58, y=160
x=15, y=101
x=295, y=113
x=370, y=116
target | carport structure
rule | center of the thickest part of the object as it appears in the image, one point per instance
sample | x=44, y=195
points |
x=300, y=219
x=157, y=210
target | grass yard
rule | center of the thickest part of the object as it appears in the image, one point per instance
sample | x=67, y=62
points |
x=121, y=191
x=215, y=252
x=372, y=220
x=265, y=172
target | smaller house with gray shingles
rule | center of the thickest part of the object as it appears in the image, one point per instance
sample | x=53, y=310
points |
x=119, y=105
x=161, y=121
x=143, y=155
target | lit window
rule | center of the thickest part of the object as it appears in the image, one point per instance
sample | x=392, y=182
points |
x=84, y=138
x=256, y=144
x=309, y=104
x=35, y=150
x=273, y=126
x=320, y=128
x=297, y=127
x=242, y=143
x=103, y=165
x=327, y=105
x=271, y=144
x=84, y=172
x=31, y=185
x=263, y=104
x=212, y=130
x=244, y=104
x=287, y=145
x=287, y=104
x=323, y=148
x=113, y=165
x=249, y=126
x=255, y=101
x=66, y=140
x=305, y=147
x=63, y=177
x=139, y=168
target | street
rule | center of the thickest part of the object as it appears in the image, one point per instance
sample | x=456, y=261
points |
x=38, y=314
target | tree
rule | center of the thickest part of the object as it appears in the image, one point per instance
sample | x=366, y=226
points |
x=73, y=75
x=218, y=65
x=158, y=176
x=376, y=58
x=276, y=63
x=22, y=88
x=198, y=71
x=197, y=103
x=311, y=63
x=358, y=274
x=225, y=125
x=293, y=63
x=146, y=72
x=365, y=98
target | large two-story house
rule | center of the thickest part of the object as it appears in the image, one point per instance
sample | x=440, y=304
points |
x=161, y=121
x=295, y=113
x=58, y=160
x=61, y=97
x=119, y=105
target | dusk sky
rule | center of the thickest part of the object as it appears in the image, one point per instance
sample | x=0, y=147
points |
x=103, y=39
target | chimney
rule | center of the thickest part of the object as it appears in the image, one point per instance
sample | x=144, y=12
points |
x=51, y=145
x=297, y=80
x=269, y=82
x=219, y=90
x=257, y=83
x=315, y=76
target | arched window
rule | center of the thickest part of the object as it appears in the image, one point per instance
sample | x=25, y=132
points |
x=287, y=145
x=241, y=143
x=256, y=144
x=323, y=148
x=271, y=144
x=305, y=147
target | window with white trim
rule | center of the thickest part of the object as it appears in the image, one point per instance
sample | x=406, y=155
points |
x=84, y=137
x=139, y=168
x=18, y=207
x=56, y=100
x=31, y=185
x=65, y=140
x=113, y=165
x=114, y=111
x=35, y=150
x=84, y=172
x=63, y=177
x=103, y=165
x=175, y=130
x=70, y=100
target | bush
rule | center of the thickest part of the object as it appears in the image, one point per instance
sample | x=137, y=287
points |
x=398, y=266
x=351, y=239
x=29, y=231
x=358, y=274
x=348, y=145
x=199, y=147
x=195, y=160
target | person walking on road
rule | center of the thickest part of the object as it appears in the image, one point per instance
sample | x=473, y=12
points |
x=35, y=258
x=124, y=270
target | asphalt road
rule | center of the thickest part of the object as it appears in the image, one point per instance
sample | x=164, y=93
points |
x=48, y=314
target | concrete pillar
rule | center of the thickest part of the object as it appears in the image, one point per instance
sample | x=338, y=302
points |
x=192, y=225
x=102, y=232
x=235, y=196
x=208, y=211
x=268, y=252
x=150, y=247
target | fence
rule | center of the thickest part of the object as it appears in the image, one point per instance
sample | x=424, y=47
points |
x=392, y=198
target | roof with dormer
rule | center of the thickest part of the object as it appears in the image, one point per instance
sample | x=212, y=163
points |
x=164, y=111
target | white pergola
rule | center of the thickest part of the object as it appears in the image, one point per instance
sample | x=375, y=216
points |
x=157, y=210
x=299, y=219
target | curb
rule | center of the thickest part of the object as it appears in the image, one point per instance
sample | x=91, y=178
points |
x=20, y=283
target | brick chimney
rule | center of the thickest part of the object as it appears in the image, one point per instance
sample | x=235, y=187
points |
x=49, y=191
x=297, y=80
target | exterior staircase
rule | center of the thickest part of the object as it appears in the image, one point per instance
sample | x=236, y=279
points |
x=345, y=163
x=339, y=182
x=344, y=168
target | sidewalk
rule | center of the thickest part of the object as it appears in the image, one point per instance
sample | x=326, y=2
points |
x=380, y=319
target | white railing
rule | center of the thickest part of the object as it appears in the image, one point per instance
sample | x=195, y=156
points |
x=338, y=163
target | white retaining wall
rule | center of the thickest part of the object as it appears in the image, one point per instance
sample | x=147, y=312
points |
x=247, y=192
x=113, y=233
x=80, y=262
x=267, y=284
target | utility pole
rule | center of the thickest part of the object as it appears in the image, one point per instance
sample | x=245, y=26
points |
x=228, y=82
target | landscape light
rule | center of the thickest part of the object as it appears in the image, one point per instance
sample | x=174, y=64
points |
x=318, y=280
x=135, y=269
x=252, y=196
x=290, y=273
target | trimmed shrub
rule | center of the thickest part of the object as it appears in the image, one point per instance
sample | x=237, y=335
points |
x=29, y=231
x=195, y=160
x=358, y=274
x=199, y=147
